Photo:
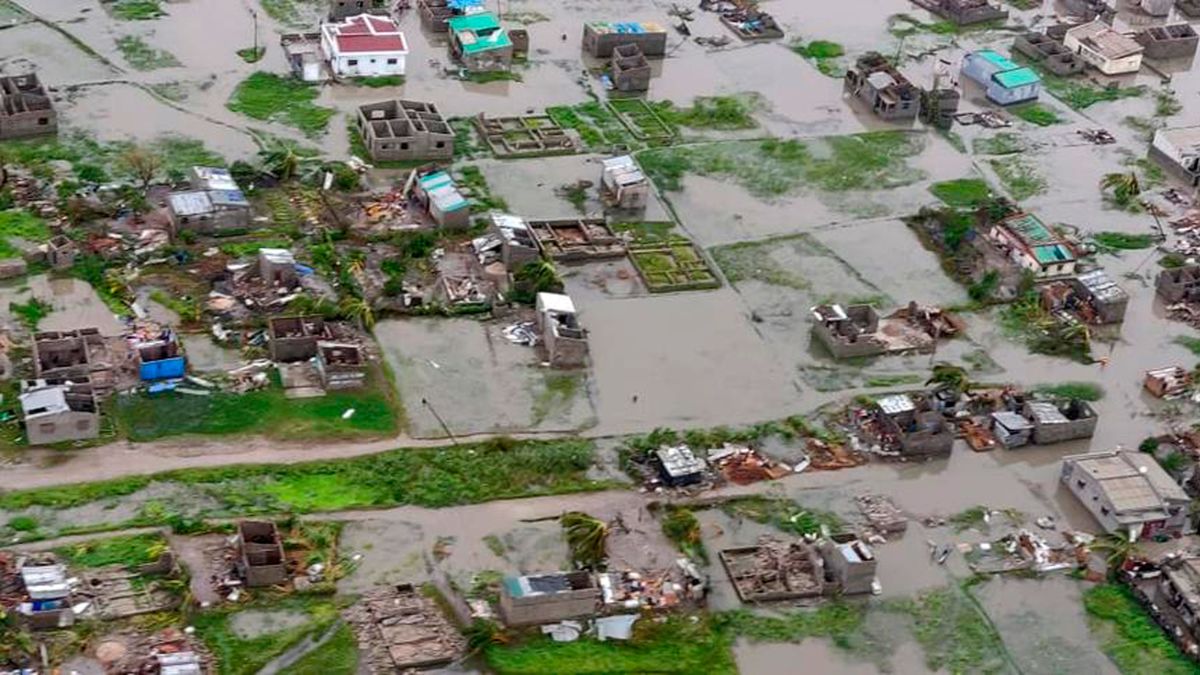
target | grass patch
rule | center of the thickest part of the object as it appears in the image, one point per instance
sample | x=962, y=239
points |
x=647, y=233
x=783, y=514
x=252, y=54
x=296, y=13
x=132, y=550
x=1026, y=320
x=772, y=168
x=712, y=112
x=677, y=645
x=238, y=249
x=558, y=394
x=238, y=655
x=1123, y=240
x=1130, y=637
x=1077, y=92
x=963, y=192
x=276, y=98
x=337, y=656
x=597, y=125
x=954, y=632
x=1084, y=391
x=1000, y=143
x=1019, y=177
x=681, y=526
x=378, y=81
x=1036, y=113
x=31, y=313
x=268, y=412
x=823, y=54
x=488, y=76
x=1192, y=344
x=141, y=56
x=433, y=477
x=475, y=183
x=20, y=224
x=136, y=10
x=838, y=621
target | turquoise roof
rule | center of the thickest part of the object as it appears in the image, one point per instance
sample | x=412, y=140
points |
x=479, y=32
x=1054, y=253
x=997, y=59
x=1011, y=79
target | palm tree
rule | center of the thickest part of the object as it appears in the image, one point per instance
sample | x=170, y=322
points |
x=587, y=537
x=284, y=163
x=1117, y=548
x=1125, y=187
x=950, y=376
x=360, y=310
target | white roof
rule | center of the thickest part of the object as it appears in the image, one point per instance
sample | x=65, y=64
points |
x=47, y=401
x=214, y=178
x=192, y=203
x=1109, y=43
x=45, y=582
x=555, y=302
x=279, y=256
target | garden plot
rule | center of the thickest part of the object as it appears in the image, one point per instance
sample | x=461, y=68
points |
x=476, y=380
x=674, y=265
x=641, y=120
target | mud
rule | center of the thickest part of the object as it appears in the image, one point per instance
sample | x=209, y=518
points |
x=252, y=623
x=75, y=304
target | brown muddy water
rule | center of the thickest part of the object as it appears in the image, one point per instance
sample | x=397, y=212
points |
x=75, y=304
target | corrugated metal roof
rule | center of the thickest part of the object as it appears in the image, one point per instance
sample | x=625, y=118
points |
x=896, y=403
x=997, y=59
x=1018, y=77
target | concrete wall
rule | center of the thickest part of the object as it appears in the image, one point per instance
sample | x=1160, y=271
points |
x=565, y=352
x=72, y=425
x=1184, y=166
x=601, y=45
x=1083, y=427
x=1093, y=498
x=1179, y=285
x=549, y=608
x=850, y=578
x=393, y=134
x=231, y=218
x=343, y=9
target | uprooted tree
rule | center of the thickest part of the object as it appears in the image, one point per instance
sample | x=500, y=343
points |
x=587, y=538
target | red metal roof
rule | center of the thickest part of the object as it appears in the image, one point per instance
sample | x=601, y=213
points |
x=371, y=43
x=365, y=34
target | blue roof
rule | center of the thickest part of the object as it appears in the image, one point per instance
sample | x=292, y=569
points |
x=1018, y=77
x=996, y=59
x=228, y=197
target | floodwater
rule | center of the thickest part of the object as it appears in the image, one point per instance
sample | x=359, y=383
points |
x=205, y=355
x=75, y=304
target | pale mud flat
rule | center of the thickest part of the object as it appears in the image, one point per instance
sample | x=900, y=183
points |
x=204, y=355
x=819, y=656
x=33, y=46
x=475, y=379
x=75, y=303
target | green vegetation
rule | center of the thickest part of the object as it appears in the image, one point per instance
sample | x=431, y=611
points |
x=825, y=55
x=558, y=394
x=681, y=526
x=20, y=224
x=1129, y=636
x=772, y=168
x=239, y=249
x=277, y=98
x=1036, y=113
x=677, y=645
x=291, y=13
x=1079, y=93
x=1000, y=143
x=647, y=126
x=378, y=81
x=839, y=621
x=475, y=185
x=1083, y=391
x=587, y=538
x=337, y=656
x=645, y=233
x=1025, y=319
x=433, y=477
x=675, y=265
x=906, y=25
x=954, y=632
x=1123, y=240
x=268, y=412
x=23, y=524
x=1191, y=343
x=136, y=10
x=31, y=313
x=712, y=112
x=252, y=54
x=239, y=655
x=1019, y=177
x=142, y=56
x=92, y=160
x=597, y=125
x=962, y=193
x=783, y=514
x=132, y=551
x=488, y=76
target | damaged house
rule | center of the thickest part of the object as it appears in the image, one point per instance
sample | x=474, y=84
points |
x=1177, y=151
x=48, y=593
x=548, y=598
x=304, y=56
x=600, y=38
x=344, y=9
x=1003, y=81
x=480, y=43
x=964, y=12
x=678, y=466
x=565, y=341
x=1168, y=382
x=295, y=338
x=58, y=411
x=437, y=194
x=1033, y=246
x=158, y=354
x=629, y=68
x=1179, y=284
x=911, y=426
x=400, y=130
x=1179, y=589
x=1093, y=297
x=340, y=365
x=25, y=108
x=623, y=185
x=400, y=628
x=508, y=241
x=81, y=355
x=436, y=14
x=1128, y=493
x=849, y=564
x=858, y=330
x=890, y=95
x=774, y=571
x=1105, y=49
x=1172, y=41
x=260, y=559
x=209, y=211
x=1048, y=52
x=577, y=239
x=1060, y=420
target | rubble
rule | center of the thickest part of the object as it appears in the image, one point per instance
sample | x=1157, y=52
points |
x=773, y=570
x=882, y=513
x=399, y=628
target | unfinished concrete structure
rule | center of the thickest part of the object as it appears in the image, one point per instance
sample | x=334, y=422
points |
x=260, y=553
x=295, y=338
x=399, y=628
x=1051, y=54
x=525, y=136
x=564, y=340
x=1060, y=420
x=61, y=252
x=509, y=241
x=1172, y=41
x=1179, y=284
x=679, y=466
x=277, y=267
x=1177, y=151
x=1091, y=297
x=479, y=43
x=1089, y=10
x=548, y=598
x=341, y=365
x=773, y=571
x=303, y=54
x=1128, y=493
x=847, y=332
x=1011, y=429
x=963, y=12
x=78, y=355
x=577, y=239
x=57, y=411
x=157, y=352
x=890, y=95
x=1189, y=8
x=344, y=9
x=25, y=108
x=630, y=69
x=400, y=130
x=436, y=14
x=1178, y=591
x=623, y=185
x=600, y=38
x=939, y=105
x=849, y=564
x=912, y=426
x=209, y=211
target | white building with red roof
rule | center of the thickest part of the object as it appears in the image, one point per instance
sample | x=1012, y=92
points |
x=363, y=46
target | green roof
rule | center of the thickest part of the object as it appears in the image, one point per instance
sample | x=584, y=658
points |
x=479, y=32
x=997, y=59
x=1030, y=228
x=1052, y=253
x=1017, y=78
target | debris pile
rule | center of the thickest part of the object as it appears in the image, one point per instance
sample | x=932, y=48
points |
x=882, y=513
x=399, y=628
x=774, y=570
